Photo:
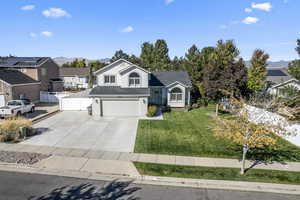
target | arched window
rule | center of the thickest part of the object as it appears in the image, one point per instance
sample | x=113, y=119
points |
x=134, y=79
x=176, y=94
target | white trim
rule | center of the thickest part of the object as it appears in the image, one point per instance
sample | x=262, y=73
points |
x=286, y=82
x=177, y=82
x=96, y=72
x=133, y=65
x=26, y=84
x=118, y=95
x=12, y=85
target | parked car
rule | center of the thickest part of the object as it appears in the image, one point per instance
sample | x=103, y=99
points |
x=16, y=108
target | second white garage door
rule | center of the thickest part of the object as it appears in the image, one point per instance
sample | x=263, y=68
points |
x=121, y=108
x=75, y=104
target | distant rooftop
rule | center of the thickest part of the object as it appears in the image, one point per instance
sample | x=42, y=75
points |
x=21, y=62
x=74, y=71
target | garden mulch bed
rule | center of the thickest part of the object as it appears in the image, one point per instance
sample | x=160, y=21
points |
x=21, y=157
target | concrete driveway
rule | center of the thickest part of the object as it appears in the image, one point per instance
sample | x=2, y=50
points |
x=76, y=129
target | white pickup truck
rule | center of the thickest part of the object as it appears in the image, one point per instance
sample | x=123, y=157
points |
x=16, y=108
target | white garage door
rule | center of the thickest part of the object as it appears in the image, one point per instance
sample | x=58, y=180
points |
x=76, y=104
x=2, y=100
x=121, y=108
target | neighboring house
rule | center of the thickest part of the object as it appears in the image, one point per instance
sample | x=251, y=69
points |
x=125, y=89
x=41, y=69
x=16, y=85
x=277, y=75
x=278, y=79
x=278, y=89
x=74, y=77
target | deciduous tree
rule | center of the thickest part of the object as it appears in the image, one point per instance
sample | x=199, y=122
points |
x=257, y=74
x=247, y=133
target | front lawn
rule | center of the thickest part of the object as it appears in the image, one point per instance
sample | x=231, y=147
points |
x=189, y=134
x=230, y=174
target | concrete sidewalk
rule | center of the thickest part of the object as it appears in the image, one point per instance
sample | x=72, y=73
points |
x=147, y=158
x=96, y=169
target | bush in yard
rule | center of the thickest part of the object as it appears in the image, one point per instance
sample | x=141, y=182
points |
x=152, y=110
x=10, y=129
x=203, y=102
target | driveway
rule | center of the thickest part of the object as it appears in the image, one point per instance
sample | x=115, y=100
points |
x=76, y=129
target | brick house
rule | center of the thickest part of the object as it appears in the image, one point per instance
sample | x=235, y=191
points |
x=41, y=69
x=16, y=85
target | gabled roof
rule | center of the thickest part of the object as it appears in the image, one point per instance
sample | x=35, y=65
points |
x=286, y=82
x=132, y=67
x=111, y=65
x=15, y=77
x=118, y=91
x=166, y=78
x=74, y=71
x=276, y=72
x=22, y=62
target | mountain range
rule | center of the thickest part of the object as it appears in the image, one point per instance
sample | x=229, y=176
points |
x=62, y=60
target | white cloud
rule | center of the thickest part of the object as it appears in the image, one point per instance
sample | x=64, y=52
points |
x=56, y=13
x=248, y=10
x=223, y=26
x=262, y=6
x=28, y=7
x=128, y=29
x=33, y=35
x=47, y=33
x=169, y=2
x=250, y=20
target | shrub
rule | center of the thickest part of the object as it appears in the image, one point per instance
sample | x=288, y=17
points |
x=152, y=110
x=202, y=102
x=10, y=129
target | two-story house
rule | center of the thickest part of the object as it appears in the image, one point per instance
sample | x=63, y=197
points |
x=41, y=69
x=75, y=77
x=125, y=89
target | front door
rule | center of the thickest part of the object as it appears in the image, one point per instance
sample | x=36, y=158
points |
x=156, y=96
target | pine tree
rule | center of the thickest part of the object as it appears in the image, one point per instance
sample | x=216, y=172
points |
x=161, y=55
x=147, y=55
x=119, y=55
x=294, y=66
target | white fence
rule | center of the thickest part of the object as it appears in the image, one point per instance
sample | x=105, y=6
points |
x=52, y=97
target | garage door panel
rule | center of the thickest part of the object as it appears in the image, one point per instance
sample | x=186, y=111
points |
x=75, y=104
x=121, y=107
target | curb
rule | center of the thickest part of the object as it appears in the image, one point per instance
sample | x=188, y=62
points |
x=153, y=180
x=40, y=118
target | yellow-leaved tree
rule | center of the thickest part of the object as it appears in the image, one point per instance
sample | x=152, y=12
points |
x=241, y=130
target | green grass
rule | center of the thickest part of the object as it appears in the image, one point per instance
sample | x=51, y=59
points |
x=190, y=134
x=232, y=174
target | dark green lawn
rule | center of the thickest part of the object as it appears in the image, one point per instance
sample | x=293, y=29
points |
x=189, y=134
x=253, y=175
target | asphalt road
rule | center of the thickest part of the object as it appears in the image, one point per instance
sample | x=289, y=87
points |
x=20, y=186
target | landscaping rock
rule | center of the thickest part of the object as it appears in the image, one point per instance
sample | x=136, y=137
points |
x=21, y=157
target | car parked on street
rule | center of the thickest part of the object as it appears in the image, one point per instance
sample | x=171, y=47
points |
x=16, y=108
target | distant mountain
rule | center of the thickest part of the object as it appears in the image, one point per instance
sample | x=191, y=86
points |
x=62, y=60
x=274, y=64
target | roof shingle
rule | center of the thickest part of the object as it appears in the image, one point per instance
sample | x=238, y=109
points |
x=15, y=77
x=165, y=78
x=74, y=71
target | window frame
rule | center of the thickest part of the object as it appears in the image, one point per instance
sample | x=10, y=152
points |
x=176, y=96
x=110, y=78
x=136, y=80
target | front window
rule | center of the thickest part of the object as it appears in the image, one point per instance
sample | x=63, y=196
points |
x=176, y=94
x=134, y=79
x=109, y=79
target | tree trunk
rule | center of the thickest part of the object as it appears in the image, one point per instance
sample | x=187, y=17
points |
x=245, y=150
x=217, y=109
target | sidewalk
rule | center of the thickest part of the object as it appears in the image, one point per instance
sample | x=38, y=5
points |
x=105, y=170
x=147, y=158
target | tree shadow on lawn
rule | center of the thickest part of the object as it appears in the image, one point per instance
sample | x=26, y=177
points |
x=269, y=155
x=113, y=191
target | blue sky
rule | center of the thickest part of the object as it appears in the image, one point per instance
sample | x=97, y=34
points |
x=97, y=28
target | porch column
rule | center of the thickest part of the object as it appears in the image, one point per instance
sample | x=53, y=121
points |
x=189, y=97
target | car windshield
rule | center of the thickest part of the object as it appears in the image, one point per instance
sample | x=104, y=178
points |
x=14, y=103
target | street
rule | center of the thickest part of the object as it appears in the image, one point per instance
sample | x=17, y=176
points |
x=21, y=186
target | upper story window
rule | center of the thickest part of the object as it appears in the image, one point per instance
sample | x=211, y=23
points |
x=44, y=71
x=109, y=79
x=176, y=94
x=134, y=79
